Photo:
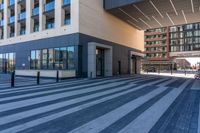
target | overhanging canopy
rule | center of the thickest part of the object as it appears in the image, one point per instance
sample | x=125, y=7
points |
x=147, y=14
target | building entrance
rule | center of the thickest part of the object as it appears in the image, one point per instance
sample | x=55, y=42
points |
x=100, y=62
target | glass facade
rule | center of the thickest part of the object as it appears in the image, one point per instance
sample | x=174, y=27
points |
x=7, y=62
x=62, y=58
x=185, y=38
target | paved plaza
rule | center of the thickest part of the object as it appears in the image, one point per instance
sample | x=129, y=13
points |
x=128, y=104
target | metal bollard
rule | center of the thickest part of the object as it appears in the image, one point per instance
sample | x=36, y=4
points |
x=13, y=79
x=38, y=77
x=57, y=76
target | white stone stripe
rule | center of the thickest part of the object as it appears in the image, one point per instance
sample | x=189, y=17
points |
x=32, y=112
x=57, y=90
x=21, y=89
x=104, y=121
x=61, y=114
x=50, y=91
x=28, y=102
x=144, y=122
x=42, y=85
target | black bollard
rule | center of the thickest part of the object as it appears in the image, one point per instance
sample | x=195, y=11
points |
x=13, y=79
x=38, y=78
x=57, y=76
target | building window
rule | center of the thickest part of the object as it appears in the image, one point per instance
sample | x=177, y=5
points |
x=35, y=59
x=54, y=58
x=71, y=59
x=44, y=59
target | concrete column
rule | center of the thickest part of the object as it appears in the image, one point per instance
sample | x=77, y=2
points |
x=58, y=13
x=29, y=7
x=17, y=25
x=6, y=16
x=42, y=18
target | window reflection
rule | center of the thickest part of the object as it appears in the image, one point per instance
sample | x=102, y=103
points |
x=54, y=58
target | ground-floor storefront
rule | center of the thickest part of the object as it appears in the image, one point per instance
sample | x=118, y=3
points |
x=76, y=55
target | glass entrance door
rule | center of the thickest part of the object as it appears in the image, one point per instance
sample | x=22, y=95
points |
x=134, y=65
x=99, y=62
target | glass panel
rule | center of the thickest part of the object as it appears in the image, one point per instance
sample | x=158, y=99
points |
x=37, y=59
x=51, y=59
x=44, y=59
x=32, y=59
x=71, y=57
x=57, y=58
x=63, y=58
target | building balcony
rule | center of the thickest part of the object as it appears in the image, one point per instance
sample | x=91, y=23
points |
x=155, y=39
x=49, y=6
x=66, y=2
x=154, y=33
x=22, y=31
x=155, y=45
x=1, y=6
x=1, y=23
x=12, y=34
x=35, y=11
x=158, y=59
x=67, y=21
x=22, y=16
x=36, y=28
x=12, y=20
x=11, y=2
x=154, y=52
x=49, y=25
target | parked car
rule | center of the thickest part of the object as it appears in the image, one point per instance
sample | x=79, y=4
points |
x=197, y=74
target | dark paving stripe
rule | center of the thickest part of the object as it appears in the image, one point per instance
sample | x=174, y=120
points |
x=57, y=110
x=147, y=81
x=124, y=121
x=52, y=93
x=10, y=112
x=59, y=87
x=76, y=119
x=162, y=81
x=176, y=83
x=183, y=110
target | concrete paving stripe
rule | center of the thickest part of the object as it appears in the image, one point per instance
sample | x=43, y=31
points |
x=59, y=84
x=32, y=112
x=48, y=90
x=24, y=103
x=45, y=119
x=196, y=85
x=51, y=92
x=142, y=124
x=167, y=82
x=104, y=121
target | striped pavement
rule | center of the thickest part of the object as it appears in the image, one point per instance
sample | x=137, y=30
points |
x=127, y=104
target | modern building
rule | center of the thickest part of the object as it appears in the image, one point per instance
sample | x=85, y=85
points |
x=157, y=49
x=76, y=37
x=164, y=45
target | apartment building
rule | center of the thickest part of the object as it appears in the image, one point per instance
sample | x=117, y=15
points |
x=75, y=37
x=164, y=45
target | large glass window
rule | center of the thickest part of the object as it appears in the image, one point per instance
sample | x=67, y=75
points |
x=71, y=60
x=54, y=58
x=51, y=57
x=44, y=59
x=35, y=59
x=7, y=62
